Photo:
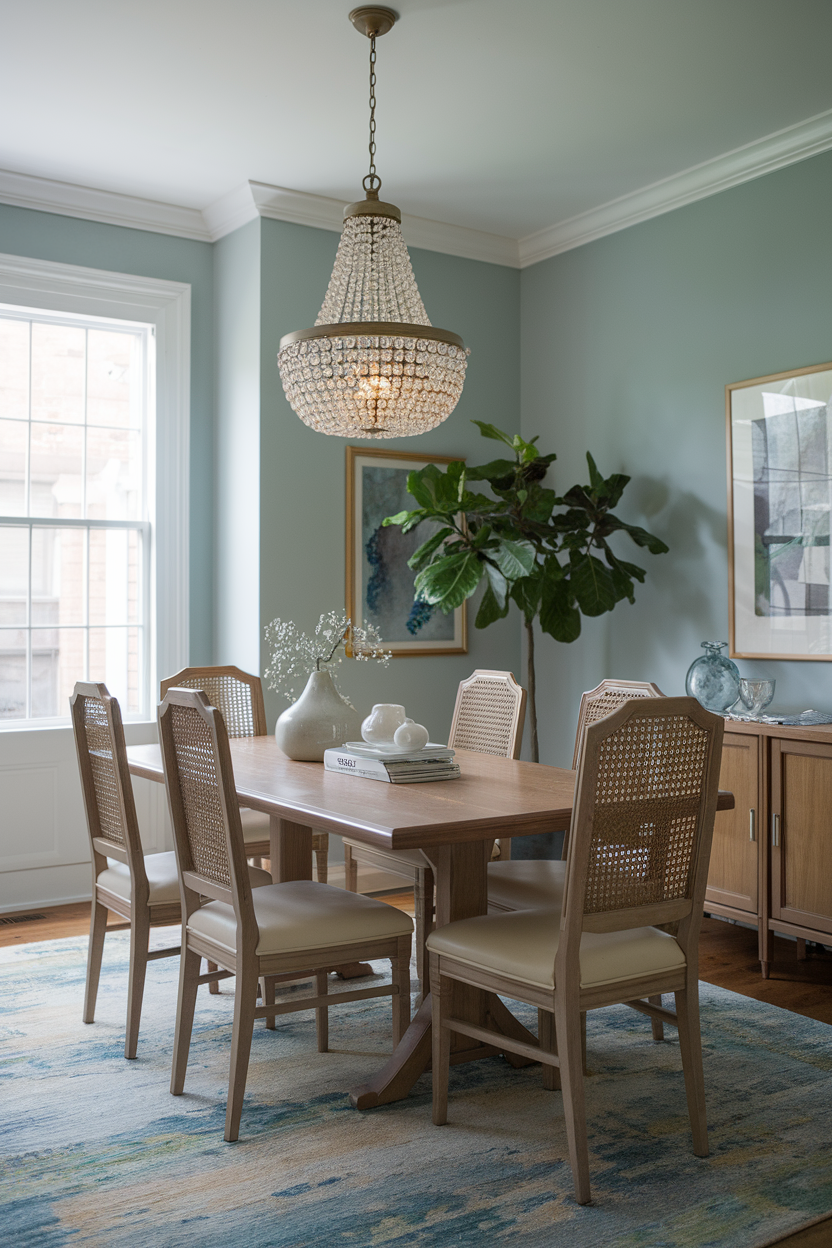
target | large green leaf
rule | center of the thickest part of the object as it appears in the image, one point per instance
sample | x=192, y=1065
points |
x=558, y=617
x=495, y=468
x=592, y=585
x=421, y=557
x=449, y=581
x=417, y=485
x=514, y=559
x=491, y=431
x=497, y=582
x=526, y=593
x=489, y=609
x=640, y=536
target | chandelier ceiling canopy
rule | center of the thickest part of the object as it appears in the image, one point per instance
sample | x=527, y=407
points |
x=372, y=366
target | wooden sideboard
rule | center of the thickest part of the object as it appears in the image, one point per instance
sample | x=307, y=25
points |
x=771, y=863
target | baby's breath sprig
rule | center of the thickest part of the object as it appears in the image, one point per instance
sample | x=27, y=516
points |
x=295, y=654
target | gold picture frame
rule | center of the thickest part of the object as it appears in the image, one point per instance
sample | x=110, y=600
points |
x=779, y=438
x=378, y=578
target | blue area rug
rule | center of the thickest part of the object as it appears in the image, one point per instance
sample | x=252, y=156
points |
x=95, y=1151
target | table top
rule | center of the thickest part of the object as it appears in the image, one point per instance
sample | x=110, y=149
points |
x=493, y=797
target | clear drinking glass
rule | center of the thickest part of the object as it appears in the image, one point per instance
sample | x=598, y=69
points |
x=755, y=695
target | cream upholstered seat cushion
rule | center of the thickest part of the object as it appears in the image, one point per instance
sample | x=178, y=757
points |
x=301, y=915
x=161, y=877
x=523, y=945
x=526, y=884
x=255, y=825
x=406, y=857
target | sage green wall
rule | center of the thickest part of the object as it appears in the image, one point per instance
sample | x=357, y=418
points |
x=627, y=345
x=68, y=240
x=302, y=473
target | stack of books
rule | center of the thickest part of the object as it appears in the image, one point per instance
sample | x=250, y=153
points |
x=386, y=763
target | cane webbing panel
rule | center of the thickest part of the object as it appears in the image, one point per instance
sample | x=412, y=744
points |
x=230, y=696
x=609, y=701
x=486, y=717
x=102, y=765
x=200, y=790
x=647, y=797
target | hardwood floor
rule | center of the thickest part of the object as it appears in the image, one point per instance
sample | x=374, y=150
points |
x=727, y=957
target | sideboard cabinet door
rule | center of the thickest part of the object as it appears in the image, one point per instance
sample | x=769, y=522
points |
x=800, y=835
x=733, y=886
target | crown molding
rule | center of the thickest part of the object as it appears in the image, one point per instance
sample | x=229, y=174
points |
x=68, y=200
x=743, y=164
x=258, y=199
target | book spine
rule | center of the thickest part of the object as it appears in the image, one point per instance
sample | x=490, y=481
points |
x=348, y=764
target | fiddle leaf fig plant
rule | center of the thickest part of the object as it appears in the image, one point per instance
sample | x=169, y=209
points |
x=548, y=554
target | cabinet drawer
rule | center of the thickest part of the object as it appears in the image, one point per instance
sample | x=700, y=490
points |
x=733, y=873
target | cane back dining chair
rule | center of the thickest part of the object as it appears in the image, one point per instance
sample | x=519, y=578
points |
x=638, y=856
x=142, y=888
x=488, y=717
x=239, y=698
x=526, y=884
x=284, y=932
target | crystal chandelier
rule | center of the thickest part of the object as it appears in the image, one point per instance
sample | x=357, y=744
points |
x=373, y=366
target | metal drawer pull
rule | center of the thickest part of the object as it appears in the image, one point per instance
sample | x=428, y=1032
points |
x=775, y=830
x=752, y=825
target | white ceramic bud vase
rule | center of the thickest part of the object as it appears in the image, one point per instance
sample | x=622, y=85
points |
x=319, y=719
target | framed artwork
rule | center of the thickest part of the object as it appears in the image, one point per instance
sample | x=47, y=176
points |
x=779, y=503
x=379, y=582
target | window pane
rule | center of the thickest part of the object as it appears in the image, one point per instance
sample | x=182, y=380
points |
x=14, y=369
x=113, y=379
x=115, y=659
x=57, y=458
x=113, y=474
x=14, y=575
x=109, y=576
x=14, y=439
x=12, y=673
x=46, y=654
x=58, y=372
x=58, y=576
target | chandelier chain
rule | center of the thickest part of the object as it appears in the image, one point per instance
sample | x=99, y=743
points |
x=372, y=182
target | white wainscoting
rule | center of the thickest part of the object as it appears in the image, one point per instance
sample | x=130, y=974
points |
x=44, y=843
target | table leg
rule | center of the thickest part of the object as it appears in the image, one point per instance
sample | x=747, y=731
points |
x=461, y=893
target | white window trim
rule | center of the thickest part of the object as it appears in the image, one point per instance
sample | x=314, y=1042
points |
x=167, y=306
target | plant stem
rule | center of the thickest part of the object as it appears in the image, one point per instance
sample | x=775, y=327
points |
x=320, y=659
x=531, y=691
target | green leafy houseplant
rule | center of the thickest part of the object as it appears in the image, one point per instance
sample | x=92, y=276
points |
x=548, y=554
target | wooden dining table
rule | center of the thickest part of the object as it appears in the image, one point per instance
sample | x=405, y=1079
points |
x=454, y=824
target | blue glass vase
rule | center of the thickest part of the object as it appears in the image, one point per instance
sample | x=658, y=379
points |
x=713, y=679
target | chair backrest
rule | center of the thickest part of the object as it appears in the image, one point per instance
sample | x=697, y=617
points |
x=237, y=695
x=489, y=713
x=642, y=822
x=607, y=697
x=202, y=798
x=105, y=780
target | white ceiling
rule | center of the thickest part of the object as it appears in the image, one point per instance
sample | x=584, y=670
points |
x=500, y=117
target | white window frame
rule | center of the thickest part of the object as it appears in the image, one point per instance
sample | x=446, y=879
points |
x=166, y=305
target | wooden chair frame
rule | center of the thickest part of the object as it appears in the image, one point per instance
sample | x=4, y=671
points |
x=560, y=1011
x=463, y=725
x=245, y=963
x=138, y=914
x=198, y=678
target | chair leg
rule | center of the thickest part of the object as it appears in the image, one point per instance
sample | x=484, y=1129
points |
x=690, y=1043
x=548, y=1042
x=267, y=994
x=213, y=987
x=98, y=926
x=322, y=1013
x=441, y=1054
x=189, y=967
x=245, y=1001
x=656, y=1023
x=139, y=941
x=320, y=844
x=400, y=968
x=568, y=1026
x=350, y=870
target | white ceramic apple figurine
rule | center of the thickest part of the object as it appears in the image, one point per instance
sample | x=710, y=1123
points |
x=410, y=736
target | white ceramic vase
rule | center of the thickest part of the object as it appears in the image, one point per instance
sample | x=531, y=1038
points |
x=319, y=719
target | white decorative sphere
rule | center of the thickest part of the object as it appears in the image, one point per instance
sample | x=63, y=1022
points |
x=410, y=736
